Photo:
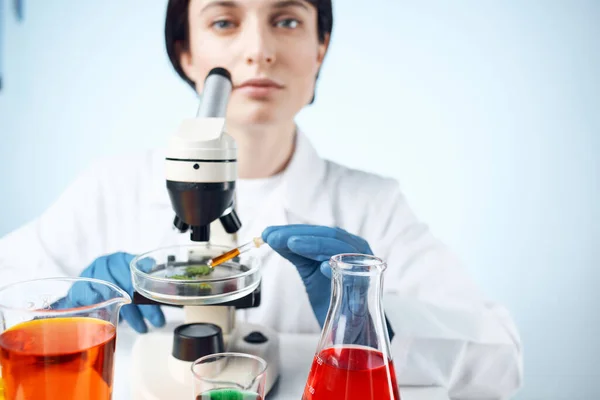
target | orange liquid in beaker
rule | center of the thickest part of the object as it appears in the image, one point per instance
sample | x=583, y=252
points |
x=58, y=358
x=348, y=373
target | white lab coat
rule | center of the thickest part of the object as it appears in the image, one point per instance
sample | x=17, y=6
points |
x=447, y=333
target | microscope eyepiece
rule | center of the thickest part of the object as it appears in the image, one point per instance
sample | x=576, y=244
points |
x=215, y=94
x=219, y=71
x=202, y=164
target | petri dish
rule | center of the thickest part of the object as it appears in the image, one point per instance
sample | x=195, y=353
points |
x=164, y=275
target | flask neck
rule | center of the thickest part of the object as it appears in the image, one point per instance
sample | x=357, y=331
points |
x=355, y=316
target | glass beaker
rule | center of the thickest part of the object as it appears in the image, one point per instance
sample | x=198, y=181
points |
x=353, y=358
x=229, y=376
x=57, y=338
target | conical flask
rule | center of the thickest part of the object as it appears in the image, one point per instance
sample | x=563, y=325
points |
x=353, y=359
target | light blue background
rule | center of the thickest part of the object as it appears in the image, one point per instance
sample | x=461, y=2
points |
x=487, y=112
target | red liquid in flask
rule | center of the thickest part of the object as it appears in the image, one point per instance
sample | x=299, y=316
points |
x=345, y=373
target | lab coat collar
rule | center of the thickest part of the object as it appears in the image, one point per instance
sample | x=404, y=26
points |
x=303, y=195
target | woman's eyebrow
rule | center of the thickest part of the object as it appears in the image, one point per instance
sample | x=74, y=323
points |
x=290, y=3
x=220, y=3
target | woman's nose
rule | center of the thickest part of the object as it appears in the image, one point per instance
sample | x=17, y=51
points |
x=257, y=58
x=259, y=46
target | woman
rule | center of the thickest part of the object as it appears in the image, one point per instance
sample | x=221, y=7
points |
x=274, y=50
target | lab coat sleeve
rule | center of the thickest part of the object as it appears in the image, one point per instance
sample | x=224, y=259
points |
x=447, y=333
x=63, y=240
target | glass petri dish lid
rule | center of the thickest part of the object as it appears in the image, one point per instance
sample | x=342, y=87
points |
x=178, y=275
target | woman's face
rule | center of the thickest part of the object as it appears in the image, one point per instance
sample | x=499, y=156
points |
x=271, y=48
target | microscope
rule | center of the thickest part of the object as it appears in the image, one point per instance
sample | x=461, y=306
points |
x=201, y=170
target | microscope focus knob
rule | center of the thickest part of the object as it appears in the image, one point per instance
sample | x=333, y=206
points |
x=192, y=341
x=180, y=225
x=255, y=337
x=231, y=222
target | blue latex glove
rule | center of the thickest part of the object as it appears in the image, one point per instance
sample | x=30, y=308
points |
x=114, y=268
x=309, y=248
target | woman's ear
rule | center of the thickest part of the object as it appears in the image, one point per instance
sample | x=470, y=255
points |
x=186, y=62
x=320, y=57
x=322, y=51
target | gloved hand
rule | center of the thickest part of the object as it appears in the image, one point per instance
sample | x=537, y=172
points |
x=309, y=248
x=114, y=268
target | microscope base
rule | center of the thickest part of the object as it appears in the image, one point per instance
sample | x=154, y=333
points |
x=157, y=375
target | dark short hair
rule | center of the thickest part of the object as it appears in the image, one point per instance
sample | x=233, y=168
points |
x=177, y=29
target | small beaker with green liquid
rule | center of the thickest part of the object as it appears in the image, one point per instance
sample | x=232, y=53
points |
x=229, y=376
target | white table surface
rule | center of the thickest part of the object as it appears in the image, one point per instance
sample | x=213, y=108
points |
x=296, y=353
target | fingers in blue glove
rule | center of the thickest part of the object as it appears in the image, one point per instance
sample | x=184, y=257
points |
x=132, y=314
x=135, y=314
x=310, y=248
x=278, y=241
x=279, y=235
x=304, y=244
x=325, y=269
x=82, y=294
x=115, y=268
x=153, y=313
x=319, y=248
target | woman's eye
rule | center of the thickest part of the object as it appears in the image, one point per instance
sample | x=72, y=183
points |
x=289, y=23
x=222, y=24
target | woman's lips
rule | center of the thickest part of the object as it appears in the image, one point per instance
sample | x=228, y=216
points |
x=259, y=87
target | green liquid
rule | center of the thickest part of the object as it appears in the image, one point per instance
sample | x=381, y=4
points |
x=228, y=394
